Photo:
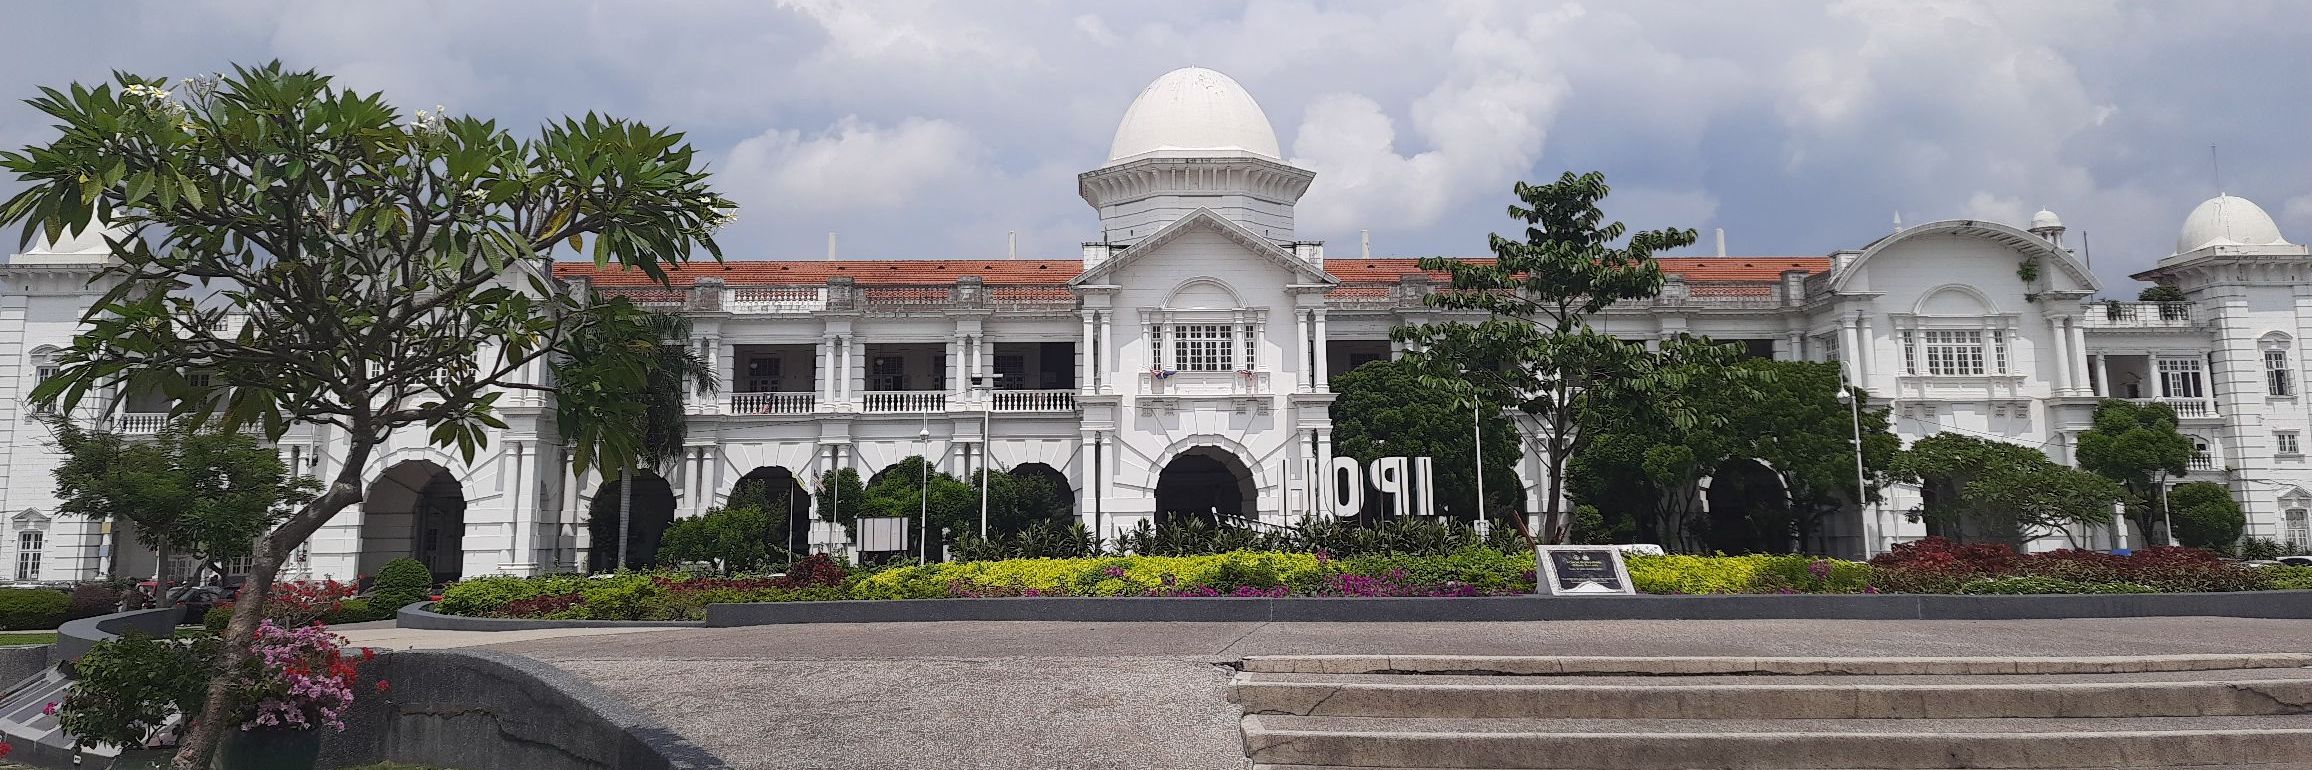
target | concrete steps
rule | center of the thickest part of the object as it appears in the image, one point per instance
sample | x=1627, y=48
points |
x=1320, y=712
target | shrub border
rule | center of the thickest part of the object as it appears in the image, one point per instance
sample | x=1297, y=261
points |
x=421, y=615
x=2291, y=605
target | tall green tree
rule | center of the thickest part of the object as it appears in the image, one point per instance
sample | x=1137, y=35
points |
x=643, y=362
x=732, y=538
x=951, y=507
x=1537, y=351
x=1017, y=502
x=203, y=493
x=2138, y=446
x=385, y=271
x=2205, y=515
x=1382, y=409
x=1980, y=489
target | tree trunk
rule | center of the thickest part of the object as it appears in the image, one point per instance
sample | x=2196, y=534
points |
x=201, y=739
x=625, y=514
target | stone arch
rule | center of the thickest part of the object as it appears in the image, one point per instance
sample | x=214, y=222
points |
x=653, y=509
x=783, y=494
x=1955, y=300
x=1206, y=482
x=1203, y=293
x=415, y=509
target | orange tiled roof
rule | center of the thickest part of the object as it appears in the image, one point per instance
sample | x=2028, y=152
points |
x=1053, y=272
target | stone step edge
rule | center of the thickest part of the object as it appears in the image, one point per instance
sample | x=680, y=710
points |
x=1782, y=751
x=1269, y=766
x=2080, y=700
x=1521, y=665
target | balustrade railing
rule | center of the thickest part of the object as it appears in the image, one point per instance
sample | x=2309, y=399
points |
x=775, y=299
x=903, y=401
x=2138, y=315
x=139, y=423
x=774, y=403
x=1032, y=401
x=1178, y=383
x=2185, y=407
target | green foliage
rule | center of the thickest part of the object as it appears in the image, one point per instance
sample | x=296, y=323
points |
x=2288, y=578
x=1048, y=540
x=400, y=583
x=89, y=600
x=634, y=367
x=2262, y=548
x=1486, y=569
x=952, y=505
x=126, y=690
x=1756, y=573
x=355, y=611
x=202, y=492
x=2138, y=446
x=2161, y=293
x=215, y=619
x=32, y=609
x=841, y=496
x=1021, y=502
x=1537, y=351
x=1382, y=409
x=2205, y=516
x=732, y=539
x=2031, y=584
x=1982, y=489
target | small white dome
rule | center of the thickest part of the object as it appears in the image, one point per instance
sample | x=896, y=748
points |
x=1194, y=112
x=2044, y=219
x=2227, y=220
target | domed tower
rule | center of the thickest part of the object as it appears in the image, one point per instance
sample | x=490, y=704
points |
x=1193, y=139
x=2046, y=224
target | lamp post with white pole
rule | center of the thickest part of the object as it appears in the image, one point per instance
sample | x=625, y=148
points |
x=986, y=392
x=923, y=509
x=1872, y=525
x=1477, y=430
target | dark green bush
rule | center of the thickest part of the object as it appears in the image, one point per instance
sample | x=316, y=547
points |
x=358, y=611
x=2048, y=585
x=89, y=600
x=400, y=583
x=32, y=609
x=217, y=618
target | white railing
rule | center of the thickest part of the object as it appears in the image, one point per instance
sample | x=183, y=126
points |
x=775, y=299
x=2202, y=461
x=903, y=401
x=1238, y=383
x=2137, y=315
x=774, y=403
x=139, y=423
x=2185, y=407
x=1033, y=401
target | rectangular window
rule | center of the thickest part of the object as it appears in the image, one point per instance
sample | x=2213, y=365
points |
x=2278, y=380
x=41, y=376
x=1829, y=346
x=2296, y=530
x=28, y=555
x=1251, y=350
x=2180, y=378
x=1954, y=352
x=1204, y=348
x=1910, y=352
x=2285, y=443
x=1999, y=351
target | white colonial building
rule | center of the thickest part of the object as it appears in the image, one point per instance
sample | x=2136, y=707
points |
x=1183, y=362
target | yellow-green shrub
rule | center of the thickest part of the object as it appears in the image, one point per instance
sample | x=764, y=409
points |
x=1111, y=576
x=1757, y=573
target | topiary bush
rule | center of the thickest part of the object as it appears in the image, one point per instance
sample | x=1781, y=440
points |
x=400, y=583
x=32, y=609
x=89, y=600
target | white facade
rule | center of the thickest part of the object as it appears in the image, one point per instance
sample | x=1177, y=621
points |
x=1198, y=332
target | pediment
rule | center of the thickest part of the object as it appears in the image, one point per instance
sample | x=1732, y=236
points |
x=1205, y=220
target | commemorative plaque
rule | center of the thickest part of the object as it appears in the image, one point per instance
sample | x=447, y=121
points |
x=1580, y=570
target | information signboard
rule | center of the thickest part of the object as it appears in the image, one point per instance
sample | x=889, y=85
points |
x=1579, y=570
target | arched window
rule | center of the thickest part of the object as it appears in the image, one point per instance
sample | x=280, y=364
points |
x=44, y=368
x=2295, y=523
x=2279, y=376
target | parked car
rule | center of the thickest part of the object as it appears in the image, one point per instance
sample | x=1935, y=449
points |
x=2295, y=561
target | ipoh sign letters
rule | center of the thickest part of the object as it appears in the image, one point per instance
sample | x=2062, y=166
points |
x=1406, y=486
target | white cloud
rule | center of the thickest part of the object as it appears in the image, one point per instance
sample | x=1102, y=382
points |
x=852, y=165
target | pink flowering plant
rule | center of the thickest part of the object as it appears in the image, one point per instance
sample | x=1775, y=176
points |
x=298, y=678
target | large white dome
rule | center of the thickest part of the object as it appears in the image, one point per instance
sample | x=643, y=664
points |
x=1194, y=112
x=2227, y=220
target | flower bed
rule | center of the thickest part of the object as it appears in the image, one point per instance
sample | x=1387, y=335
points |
x=1931, y=566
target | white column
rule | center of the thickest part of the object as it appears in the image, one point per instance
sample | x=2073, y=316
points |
x=2078, y=354
x=2062, y=357
x=2102, y=377
x=1106, y=351
x=825, y=374
x=1324, y=378
x=525, y=546
x=854, y=368
x=1865, y=353
x=1851, y=343
x=1794, y=347
x=952, y=378
x=1084, y=360
x=1300, y=377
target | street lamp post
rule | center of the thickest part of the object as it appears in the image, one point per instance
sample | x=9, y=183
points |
x=986, y=443
x=1872, y=526
x=923, y=509
x=1477, y=429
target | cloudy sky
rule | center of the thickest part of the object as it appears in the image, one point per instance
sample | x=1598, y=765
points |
x=929, y=129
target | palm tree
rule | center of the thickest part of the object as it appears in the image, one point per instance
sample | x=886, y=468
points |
x=661, y=425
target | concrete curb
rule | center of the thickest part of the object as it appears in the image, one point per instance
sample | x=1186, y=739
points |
x=75, y=637
x=417, y=615
x=2249, y=604
x=1538, y=665
x=1266, y=744
x=2271, y=697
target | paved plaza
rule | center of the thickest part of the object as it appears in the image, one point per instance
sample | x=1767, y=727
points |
x=1154, y=695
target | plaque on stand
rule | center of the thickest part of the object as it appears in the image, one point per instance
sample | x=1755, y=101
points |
x=1581, y=570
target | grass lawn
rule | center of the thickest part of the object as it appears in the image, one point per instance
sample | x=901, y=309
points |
x=27, y=637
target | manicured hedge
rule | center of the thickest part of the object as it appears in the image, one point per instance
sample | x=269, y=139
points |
x=1932, y=566
x=32, y=609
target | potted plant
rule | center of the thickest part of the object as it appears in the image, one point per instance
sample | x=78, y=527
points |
x=136, y=693
x=298, y=680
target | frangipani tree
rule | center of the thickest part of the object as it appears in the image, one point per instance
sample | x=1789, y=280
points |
x=325, y=258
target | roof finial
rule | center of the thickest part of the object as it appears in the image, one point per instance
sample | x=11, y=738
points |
x=1898, y=220
x=2216, y=170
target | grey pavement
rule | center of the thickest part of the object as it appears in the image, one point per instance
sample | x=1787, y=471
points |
x=1154, y=695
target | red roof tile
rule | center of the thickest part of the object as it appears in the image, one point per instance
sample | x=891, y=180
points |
x=1054, y=272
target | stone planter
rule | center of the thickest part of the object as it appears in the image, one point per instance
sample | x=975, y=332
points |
x=270, y=749
x=143, y=759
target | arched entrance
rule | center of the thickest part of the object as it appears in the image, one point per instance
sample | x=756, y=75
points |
x=1039, y=494
x=777, y=492
x=653, y=507
x=1207, y=483
x=415, y=509
x=1749, y=509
